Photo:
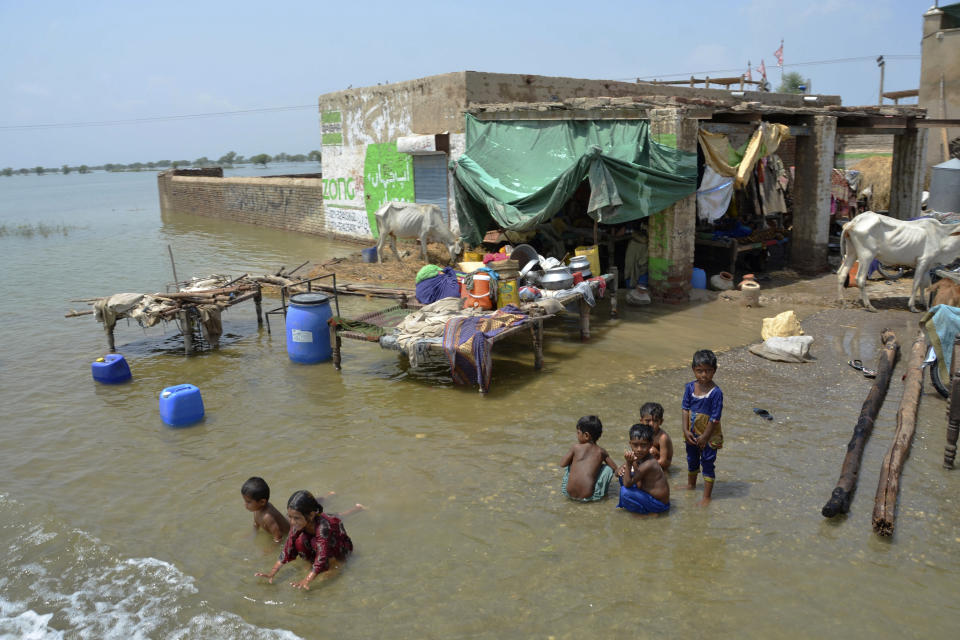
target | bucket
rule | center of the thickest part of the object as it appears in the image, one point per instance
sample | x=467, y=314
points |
x=110, y=369
x=308, y=334
x=472, y=256
x=181, y=405
x=699, y=279
x=852, y=276
x=480, y=295
x=369, y=254
x=750, y=293
x=507, y=292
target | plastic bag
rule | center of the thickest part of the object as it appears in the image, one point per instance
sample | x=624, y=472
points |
x=781, y=326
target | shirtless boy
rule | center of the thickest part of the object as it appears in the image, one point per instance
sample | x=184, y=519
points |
x=588, y=466
x=651, y=414
x=256, y=498
x=644, y=488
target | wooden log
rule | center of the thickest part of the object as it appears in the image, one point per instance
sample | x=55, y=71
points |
x=885, y=504
x=74, y=314
x=204, y=292
x=186, y=322
x=842, y=495
x=953, y=411
x=584, y=320
x=258, y=300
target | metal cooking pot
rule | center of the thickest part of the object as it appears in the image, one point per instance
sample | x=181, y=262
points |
x=530, y=274
x=581, y=264
x=557, y=278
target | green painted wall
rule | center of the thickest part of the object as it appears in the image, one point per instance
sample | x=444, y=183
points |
x=387, y=176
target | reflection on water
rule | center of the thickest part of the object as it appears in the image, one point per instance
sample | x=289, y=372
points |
x=109, y=511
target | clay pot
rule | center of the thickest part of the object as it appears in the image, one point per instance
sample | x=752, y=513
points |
x=747, y=277
x=722, y=281
x=750, y=293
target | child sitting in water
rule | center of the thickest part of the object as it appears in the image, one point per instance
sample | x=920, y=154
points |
x=256, y=498
x=643, y=487
x=588, y=466
x=314, y=536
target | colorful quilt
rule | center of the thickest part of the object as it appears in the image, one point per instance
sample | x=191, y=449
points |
x=467, y=343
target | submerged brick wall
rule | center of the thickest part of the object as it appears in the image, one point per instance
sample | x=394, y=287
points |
x=288, y=203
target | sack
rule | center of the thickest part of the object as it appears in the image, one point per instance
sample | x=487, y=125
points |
x=781, y=326
x=789, y=349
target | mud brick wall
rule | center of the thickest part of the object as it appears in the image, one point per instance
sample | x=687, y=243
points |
x=288, y=203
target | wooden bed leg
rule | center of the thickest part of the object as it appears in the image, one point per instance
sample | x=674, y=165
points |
x=613, y=291
x=953, y=410
x=584, y=320
x=186, y=319
x=258, y=302
x=335, y=341
x=110, y=341
x=536, y=330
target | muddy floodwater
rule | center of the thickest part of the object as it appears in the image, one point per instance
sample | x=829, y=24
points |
x=114, y=525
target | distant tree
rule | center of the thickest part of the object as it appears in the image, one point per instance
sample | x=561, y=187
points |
x=64, y=169
x=23, y=171
x=109, y=167
x=228, y=158
x=84, y=169
x=163, y=164
x=202, y=161
x=280, y=157
x=299, y=157
x=261, y=158
x=792, y=83
x=180, y=163
x=315, y=156
x=38, y=170
x=7, y=171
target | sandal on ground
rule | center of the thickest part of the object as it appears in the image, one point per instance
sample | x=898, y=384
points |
x=763, y=413
x=856, y=364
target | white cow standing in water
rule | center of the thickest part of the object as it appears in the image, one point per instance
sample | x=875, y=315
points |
x=921, y=244
x=414, y=220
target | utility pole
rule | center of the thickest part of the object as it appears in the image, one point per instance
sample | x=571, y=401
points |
x=880, y=63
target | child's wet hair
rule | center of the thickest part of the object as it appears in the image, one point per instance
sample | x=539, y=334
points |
x=705, y=358
x=591, y=426
x=641, y=431
x=256, y=488
x=652, y=409
x=304, y=502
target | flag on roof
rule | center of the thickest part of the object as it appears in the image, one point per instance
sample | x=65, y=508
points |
x=779, y=54
x=762, y=70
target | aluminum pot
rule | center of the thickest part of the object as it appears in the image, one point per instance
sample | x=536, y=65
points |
x=557, y=278
x=581, y=264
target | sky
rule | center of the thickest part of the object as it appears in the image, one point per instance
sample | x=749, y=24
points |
x=66, y=65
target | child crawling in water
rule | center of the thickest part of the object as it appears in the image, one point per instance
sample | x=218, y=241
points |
x=644, y=488
x=314, y=536
x=589, y=467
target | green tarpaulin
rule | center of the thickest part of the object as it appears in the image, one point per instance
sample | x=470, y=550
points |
x=518, y=174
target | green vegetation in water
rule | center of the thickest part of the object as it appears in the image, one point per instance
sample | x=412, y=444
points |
x=861, y=156
x=38, y=229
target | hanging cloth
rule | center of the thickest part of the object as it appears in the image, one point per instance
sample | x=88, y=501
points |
x=739, y=163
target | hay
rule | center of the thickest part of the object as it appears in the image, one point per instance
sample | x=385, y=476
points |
x=351, y=268
x=875, y=172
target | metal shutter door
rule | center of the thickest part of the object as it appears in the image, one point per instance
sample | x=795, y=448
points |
x=430, y=181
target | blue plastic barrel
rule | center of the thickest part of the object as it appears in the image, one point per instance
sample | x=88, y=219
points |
x=699, y=279
x=308, y=334
x=110, y=369
x=369, y=254
x=181, y=405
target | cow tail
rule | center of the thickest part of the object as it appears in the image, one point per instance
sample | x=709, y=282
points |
x=843, y=245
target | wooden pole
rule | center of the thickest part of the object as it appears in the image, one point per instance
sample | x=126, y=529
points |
x=176, y=281
x=536, y=329
x=885, y=504
x=842, y=495
x=258, y=301
x=186, y=321
x=953, y=412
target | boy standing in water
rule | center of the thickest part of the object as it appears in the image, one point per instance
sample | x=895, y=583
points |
x=644, y=488
x=701, y=407
x=256, y=498
x=588, y=466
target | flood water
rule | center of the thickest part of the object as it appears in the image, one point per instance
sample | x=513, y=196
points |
x=114, y=525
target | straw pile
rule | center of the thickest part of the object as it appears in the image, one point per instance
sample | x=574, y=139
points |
x=875, y=172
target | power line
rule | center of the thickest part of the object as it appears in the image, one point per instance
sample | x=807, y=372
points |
x=794, y=64
x=191, y=116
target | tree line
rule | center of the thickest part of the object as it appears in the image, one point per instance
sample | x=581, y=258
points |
x=228, y=159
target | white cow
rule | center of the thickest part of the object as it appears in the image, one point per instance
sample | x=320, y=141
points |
x=921, y=244
x=414, y=220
